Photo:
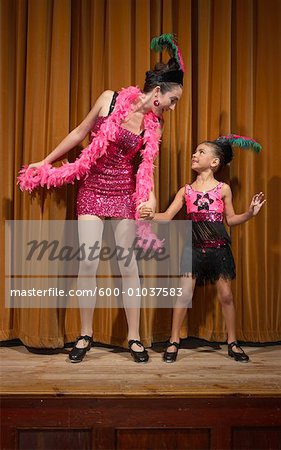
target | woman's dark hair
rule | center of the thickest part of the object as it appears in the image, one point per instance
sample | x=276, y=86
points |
x=222, y=150
x=162, y=71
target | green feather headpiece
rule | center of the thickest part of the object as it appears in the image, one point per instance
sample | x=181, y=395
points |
x=168, y=41
x=241, y=141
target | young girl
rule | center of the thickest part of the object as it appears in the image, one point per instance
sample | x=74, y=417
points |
x=207, y=201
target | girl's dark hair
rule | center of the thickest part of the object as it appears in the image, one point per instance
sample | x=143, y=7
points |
x=161, y=70
x=222, y=150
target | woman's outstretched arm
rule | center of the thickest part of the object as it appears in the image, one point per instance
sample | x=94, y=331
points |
x=80, y=132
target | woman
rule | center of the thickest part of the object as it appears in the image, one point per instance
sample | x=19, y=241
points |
x=122, y=124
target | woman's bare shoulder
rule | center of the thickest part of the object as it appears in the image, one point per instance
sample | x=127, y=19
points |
x=104, y=101
x=107, y=94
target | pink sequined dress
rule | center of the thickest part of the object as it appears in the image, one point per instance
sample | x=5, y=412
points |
x=108, y=189
x=211, y=252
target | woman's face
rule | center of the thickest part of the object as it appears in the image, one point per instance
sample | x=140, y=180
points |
x=166, y=101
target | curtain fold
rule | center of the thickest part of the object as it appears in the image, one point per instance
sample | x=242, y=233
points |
x=57, y=56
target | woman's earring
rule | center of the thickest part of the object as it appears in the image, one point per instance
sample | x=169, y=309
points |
x=156, y=103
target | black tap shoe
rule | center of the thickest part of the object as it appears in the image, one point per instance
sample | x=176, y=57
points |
x=241, y=357
x=139, y=357
x=170, y=357
x=77, y=354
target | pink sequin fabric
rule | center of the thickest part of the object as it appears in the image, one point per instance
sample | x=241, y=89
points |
x=205, y=209
x=108, y=188
x=204, y=206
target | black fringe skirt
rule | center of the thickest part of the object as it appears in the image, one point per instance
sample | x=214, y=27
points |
x=207, y=265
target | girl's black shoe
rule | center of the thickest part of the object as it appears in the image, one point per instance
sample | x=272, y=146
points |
x=170, y=357
x=77, y=354
x=238, y=356
x=139, y=357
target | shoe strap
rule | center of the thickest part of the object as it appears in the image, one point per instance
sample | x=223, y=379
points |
x=86, y=337
x=234, y=344
x=135, y=341
x=170, y=344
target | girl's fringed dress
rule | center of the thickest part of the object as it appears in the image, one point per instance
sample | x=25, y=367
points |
x=211, y=252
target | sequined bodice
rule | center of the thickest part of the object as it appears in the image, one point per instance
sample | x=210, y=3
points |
x=108, y=189
x=204, y=206
x=205, y=209
x=126, y=142
x=115, y=168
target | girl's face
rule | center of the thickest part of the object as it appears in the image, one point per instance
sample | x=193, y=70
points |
x=166, y=101
x=204, y=158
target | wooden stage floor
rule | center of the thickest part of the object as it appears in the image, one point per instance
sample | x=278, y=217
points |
x=198, y=372
x=203, y=401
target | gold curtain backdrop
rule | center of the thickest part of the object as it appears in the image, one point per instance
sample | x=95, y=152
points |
x=57, y=56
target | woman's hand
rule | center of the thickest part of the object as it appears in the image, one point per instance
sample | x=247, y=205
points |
x=146, y=213
x=38, y=164
x=147, y=209
x=256, y=203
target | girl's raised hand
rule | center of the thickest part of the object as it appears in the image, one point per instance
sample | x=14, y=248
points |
x=257, y=202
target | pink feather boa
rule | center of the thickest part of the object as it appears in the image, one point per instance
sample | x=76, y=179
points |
x=46, y=175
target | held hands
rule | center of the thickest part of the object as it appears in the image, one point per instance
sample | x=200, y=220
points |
x=147, y=210
x=146, y=213
x=256, y=203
